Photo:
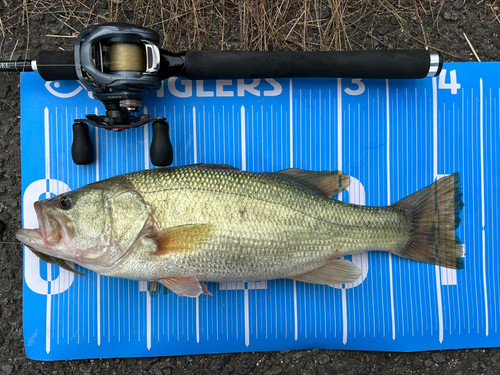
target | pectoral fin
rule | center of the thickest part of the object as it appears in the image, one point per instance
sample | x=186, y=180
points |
x=337, y=271
x=182, y=238
x=186, y=286
x=326, y=182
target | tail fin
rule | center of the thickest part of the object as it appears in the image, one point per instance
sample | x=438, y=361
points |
x=434, y=212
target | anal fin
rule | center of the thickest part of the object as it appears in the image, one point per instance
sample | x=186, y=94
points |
x=185, y=286
x=337, y=271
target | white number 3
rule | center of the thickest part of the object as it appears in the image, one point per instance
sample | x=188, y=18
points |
x=359, y=90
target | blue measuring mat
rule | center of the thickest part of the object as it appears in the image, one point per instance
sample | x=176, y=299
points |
x=392, y=137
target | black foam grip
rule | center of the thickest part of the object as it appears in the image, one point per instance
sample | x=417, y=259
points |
x=82, y=149
x=408, y=64
x=56, y=65
x=161, y=151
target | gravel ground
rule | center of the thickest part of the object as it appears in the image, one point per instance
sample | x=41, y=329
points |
x=30, y=26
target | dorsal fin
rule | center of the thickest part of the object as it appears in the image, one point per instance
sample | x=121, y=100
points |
x=216, y=166
x=328, y=183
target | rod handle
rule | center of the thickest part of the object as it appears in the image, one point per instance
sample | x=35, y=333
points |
x=390, y=64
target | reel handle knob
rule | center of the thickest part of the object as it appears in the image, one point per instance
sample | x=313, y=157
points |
x=82, y=150
x=161, y=151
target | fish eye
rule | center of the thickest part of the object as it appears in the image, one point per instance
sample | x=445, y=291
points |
x=65, y=202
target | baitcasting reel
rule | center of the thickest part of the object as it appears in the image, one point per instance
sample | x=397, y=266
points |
x=120, y=63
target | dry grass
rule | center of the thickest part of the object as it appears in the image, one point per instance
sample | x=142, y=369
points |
x=247, y=24
x=242, y=25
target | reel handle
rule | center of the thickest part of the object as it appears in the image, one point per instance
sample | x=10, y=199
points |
x=391, y=64
x=82, y=150
x=161, y=151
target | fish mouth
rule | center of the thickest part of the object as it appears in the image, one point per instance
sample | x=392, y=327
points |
x=30, y=237
x=46, y=236
x=49, y=227
x=53, y=228
x=53, y=231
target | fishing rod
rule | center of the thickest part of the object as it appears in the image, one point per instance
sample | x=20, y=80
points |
x=119, y=63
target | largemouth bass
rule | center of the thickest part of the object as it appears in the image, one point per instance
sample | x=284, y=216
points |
x=186, y=225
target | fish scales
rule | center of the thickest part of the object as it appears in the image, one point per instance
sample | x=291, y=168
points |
x=267, y=226
x=182, y=226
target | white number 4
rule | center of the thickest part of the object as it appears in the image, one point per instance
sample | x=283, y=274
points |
x=453, y=85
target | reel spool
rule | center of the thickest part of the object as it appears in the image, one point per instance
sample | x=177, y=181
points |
x=127, y=57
